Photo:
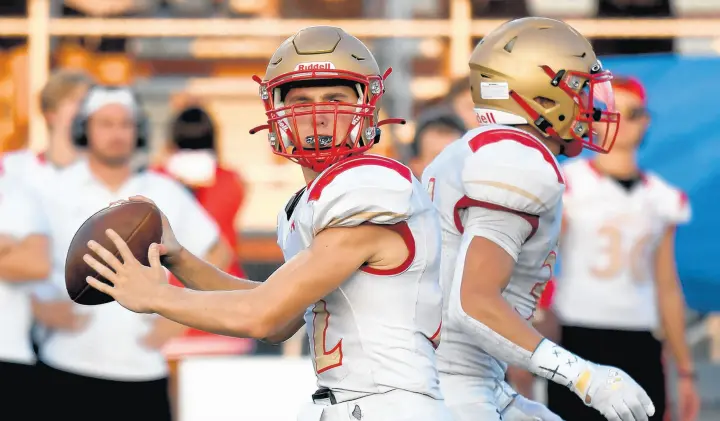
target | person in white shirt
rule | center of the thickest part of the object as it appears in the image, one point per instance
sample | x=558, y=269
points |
x=24, y=260
x=619, y=283
x=114, y=353
x=59, y=101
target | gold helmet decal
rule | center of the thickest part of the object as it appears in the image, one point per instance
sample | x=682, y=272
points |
x=322, y=54
x=542, y=72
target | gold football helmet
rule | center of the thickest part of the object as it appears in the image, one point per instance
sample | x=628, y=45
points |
x=319, y=54
x=542, y=72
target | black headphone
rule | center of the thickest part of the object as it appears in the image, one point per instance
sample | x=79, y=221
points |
x=79, y=124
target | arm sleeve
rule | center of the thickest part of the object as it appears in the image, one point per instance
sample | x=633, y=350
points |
x=366, y=194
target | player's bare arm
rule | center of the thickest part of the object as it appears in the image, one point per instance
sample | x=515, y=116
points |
x=187, y=268
x=26, y=260
x=198, y=274
x=672, y=301
x=192, y=271
x=255, y=313
x=672, y=313
x=220, y=254
x=488, y=268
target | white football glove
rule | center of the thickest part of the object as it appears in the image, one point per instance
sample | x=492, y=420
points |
x=515, y=407
x=608, y=389
x=614, y=394
x=523, y=409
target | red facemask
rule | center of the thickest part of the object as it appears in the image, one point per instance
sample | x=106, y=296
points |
x=593, y=94
x=328, y=144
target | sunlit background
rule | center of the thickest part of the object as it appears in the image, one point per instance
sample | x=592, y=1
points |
x=182, y=52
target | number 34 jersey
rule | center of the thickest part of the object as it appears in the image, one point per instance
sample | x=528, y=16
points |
x=502, y=184
x=612, y=233
x=376, y=332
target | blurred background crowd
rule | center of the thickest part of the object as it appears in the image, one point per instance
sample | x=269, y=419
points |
x=195, y=85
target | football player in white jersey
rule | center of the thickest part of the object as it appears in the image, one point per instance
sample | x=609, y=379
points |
x=619, y=282
x=539, y=91
x=361, y=243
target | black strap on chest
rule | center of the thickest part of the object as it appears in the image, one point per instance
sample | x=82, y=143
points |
x=324, y=396
x=293, y=202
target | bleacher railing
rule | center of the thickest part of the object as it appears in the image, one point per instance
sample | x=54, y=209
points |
x=458, y=29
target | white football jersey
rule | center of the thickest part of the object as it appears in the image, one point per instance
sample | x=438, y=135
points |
x=607, y=278
x=503, y=178
x=376, y=332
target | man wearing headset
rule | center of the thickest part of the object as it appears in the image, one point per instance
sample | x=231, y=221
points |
x=115, y=353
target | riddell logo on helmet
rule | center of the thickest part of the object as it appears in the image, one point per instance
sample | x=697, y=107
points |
x=485, y=118
x=318, y=65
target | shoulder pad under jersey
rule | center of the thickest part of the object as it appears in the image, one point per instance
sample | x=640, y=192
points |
x=361, y=189
x=512, y=169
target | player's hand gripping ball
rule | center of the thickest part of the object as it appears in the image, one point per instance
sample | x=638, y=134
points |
x=138, y=223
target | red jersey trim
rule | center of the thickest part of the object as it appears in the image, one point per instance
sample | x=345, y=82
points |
x=466, y=202
x=403, y=229
x=329, y=175
x=497, y=135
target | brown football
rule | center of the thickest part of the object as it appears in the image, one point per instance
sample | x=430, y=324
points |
x=138, y=223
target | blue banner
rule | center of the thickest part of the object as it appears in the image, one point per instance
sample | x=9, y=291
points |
x=683, y=146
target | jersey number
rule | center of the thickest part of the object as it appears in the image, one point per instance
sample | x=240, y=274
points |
x=537, y=290
x=618, y=258
x=324, y=360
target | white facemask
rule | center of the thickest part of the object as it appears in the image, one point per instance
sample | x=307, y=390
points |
x=193, y=167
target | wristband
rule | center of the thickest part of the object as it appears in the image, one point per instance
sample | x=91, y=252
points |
x=557, y=364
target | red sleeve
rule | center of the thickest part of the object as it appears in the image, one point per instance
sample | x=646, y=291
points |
x=546, y=298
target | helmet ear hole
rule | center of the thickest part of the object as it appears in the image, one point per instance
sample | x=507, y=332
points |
x=544, y=102
x=509, y=46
